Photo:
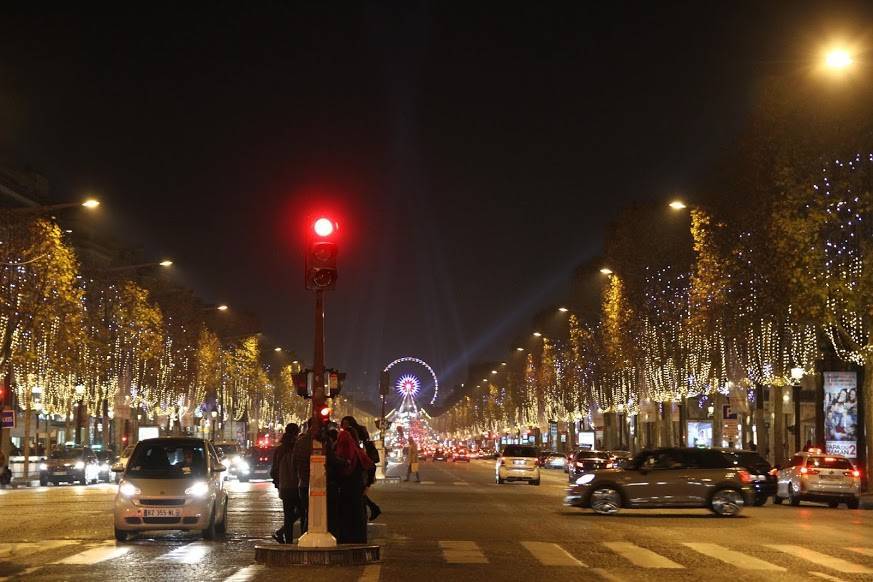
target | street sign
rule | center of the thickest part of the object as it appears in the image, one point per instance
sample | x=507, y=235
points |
x=7, y=419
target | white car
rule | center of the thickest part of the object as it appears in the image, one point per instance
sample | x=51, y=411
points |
x=123, y=458
x=518, y=463
x=815, y=476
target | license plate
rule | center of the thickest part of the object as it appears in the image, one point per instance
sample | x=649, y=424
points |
x=831, y=477
x=59, y=473
x=162, y=513
x=518, y=462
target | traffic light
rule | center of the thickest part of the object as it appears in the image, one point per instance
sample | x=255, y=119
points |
x=321, y=252
x=324, y=415
x=334, y=381
x=303, y=383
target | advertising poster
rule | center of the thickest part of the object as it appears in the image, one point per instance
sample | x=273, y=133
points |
x=700, y=433
x=841, y=413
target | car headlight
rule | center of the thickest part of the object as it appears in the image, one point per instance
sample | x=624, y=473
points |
x=128, y=489
x=243, y=466
x=79, y=465
x=198, y=489
x=226, y=463
x=43, y=467
x=104, y=467
x=586, y=478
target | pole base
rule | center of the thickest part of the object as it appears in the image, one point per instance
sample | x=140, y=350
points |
x=341, y=555
x=313, y=539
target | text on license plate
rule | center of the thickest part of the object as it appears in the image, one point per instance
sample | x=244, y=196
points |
x=162, y=513
x=831, y=477
x=518, y=462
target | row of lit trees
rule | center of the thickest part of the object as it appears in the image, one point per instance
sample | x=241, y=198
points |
x=73, y=340
x=773, y=269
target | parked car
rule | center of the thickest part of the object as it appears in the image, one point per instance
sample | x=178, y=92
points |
x=763, y=475
x=518, y=463
x=669, y=477
x=815, y=476
x=586, y=461
x=260, y=461
x=70, y=465
x=171, y=484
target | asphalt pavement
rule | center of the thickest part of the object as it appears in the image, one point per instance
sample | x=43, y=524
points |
x=457, y=524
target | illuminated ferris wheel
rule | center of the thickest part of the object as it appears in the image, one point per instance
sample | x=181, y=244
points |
x=409, y=384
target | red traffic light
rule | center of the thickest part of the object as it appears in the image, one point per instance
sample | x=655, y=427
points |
x=324, y=227
x=325, y=412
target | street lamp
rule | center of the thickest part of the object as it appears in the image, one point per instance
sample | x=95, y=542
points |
x=89, y=203
x=606, y=271
x=563, y=309
x=222, y=307
x=537, y=334
x=838, y=59
x=678, y=205
x=519, y=349
x=797, y=374
x=166, y=263
x=80, y=393
x=277, y=349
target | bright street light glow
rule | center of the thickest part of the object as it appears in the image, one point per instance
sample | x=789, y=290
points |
x=537, y=334
x=838, y=59
x=277, y=349
x=563, y=309
x=678, y=205
x=166, y=263
x=606, y=271
x=519, y=349
x=91, y=203
x=323, y=227
x=222, y=307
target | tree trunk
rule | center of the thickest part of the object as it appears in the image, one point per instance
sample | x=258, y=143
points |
x=762, y=442
x=27, y=422
x=667, y=424
x=717, y=419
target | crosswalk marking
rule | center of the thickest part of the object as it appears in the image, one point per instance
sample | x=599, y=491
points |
x=863, y=551
x=733, y=557
x=105, y=551
x=462, y=552
x=187, y=554
x=12, y=551
x=245, y=574
x=826, y=576
x=552, y=554
x=641, y=557
x=371, y=573
x=820, y=559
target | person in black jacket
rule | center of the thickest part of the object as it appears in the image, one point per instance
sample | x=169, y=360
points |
x=285, y=479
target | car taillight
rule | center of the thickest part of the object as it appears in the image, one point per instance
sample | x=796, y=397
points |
x=807, y=471
x=744, y=476
x=774, y=471
x=608, y=466
x=856, y=474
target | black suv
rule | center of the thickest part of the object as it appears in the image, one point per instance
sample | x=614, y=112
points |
x=763, y=475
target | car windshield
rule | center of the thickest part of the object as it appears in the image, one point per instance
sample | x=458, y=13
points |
x=829, y=463
x=749, y=460
x=168, y=460
x=591, y=455
x=519, y=451
x=67, y=454
x=228, y=450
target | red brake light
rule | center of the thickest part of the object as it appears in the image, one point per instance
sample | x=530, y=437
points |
x=745, y=477
x=856, y=474
x=774, y=471
x=808, y=471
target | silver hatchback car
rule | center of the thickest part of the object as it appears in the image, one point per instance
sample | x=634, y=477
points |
x=815, y=476
x=171, y=484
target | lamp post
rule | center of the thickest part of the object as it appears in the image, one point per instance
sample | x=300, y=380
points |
x=796, y=376
x=213, y=415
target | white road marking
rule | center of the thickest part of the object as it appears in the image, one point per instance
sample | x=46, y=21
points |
x=371, y=573
x=863, y=551
x=187, y=554
x=733, y=557
x=105, y=551
x=552, y=554
x=428, y=482
x=820, y=559
x=826, y=576
x=606, y=575
x=462, y=552
x=460, y=483
x=15, y=550
x=245, y=574
x=641, y=557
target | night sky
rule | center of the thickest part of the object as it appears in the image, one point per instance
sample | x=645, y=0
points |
x=473, y=152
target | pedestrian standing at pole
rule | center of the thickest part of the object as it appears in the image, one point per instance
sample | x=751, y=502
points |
x=285, y=480
x=369, y=449
x=352, y=515
x=300, y=461
x=412, y=461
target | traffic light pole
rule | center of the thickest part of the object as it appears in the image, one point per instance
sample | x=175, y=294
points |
x=317, y=535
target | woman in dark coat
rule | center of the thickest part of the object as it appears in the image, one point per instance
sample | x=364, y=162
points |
x=352, y=514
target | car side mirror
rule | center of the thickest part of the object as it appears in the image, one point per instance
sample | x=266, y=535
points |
x=118, y=468
x=219, y=468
